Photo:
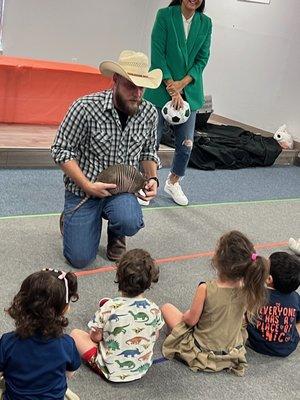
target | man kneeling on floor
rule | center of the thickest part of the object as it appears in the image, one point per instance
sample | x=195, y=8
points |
x=102, y=129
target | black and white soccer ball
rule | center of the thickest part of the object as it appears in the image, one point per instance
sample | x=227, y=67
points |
x=176, y=117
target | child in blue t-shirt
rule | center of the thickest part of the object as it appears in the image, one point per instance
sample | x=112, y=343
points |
x=36, y=357
x=276, y=330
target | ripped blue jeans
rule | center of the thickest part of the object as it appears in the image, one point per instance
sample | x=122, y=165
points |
x=184, y=136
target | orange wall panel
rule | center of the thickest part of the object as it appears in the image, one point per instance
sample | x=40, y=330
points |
x=40, y=92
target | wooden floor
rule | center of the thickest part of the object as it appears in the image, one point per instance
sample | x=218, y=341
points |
x=20, y=136
x=28, y=146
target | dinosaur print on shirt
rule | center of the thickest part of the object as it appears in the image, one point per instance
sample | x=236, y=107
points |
x=141, y=303
x=130, y=327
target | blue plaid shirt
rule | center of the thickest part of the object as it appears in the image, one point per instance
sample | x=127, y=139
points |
x=91, y=133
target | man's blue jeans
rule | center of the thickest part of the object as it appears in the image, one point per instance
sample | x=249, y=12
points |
x=82, y=228
x=184, y=134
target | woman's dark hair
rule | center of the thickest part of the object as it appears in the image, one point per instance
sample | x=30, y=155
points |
x=178, y=3
x=40, y=304
x=136, y=271
x=285, y=271
x=235, y=259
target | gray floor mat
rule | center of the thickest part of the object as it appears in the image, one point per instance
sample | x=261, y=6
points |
x=28, y=244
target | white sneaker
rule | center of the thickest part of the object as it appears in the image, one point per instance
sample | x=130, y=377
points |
x=176, y=193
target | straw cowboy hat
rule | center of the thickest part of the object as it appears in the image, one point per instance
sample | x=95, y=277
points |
x=133, y=66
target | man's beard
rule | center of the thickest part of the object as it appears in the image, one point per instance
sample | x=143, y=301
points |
x=127, y=107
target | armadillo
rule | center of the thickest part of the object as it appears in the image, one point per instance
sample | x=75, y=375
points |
x=127, y=178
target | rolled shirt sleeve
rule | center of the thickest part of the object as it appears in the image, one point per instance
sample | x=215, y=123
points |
x=158, y=45
x=202, y=56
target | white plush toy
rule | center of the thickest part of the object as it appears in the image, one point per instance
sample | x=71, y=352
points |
x=176, y=117
x=294, y=245
x=284, y=138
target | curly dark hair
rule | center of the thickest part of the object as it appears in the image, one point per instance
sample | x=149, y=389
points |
x=136, y=270
x=285, y=271
x=178, y=3
x=233, y=261
x=41, y=302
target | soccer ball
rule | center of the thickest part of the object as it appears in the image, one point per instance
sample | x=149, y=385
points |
x=176, y=117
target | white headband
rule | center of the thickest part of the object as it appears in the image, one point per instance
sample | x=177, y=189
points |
x=62, y=276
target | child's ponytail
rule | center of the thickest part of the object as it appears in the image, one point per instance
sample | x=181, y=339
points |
x=235, y=260
x=254, y=283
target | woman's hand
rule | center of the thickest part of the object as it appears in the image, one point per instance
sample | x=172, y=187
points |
x=174, y=87
x=177, y=101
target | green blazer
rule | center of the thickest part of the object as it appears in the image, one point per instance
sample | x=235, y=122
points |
x=178, y=57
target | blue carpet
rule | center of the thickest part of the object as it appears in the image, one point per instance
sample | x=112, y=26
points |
x=40, y=191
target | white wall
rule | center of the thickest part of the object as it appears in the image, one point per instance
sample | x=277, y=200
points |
x=83, y=31
x=253, y=73
x=254, y=70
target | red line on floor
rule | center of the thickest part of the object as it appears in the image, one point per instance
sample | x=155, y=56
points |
x=108, y=268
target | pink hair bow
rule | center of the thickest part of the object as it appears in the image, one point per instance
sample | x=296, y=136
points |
x=254, y=256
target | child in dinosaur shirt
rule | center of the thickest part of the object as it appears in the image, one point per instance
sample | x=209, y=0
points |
x=124, y=330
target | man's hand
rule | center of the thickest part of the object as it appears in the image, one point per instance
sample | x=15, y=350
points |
x=98, y=189
x=150, y=191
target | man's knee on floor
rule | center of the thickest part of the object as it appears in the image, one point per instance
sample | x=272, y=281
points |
x=130, y=225
x=79, y=262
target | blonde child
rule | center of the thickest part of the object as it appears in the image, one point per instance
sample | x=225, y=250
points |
x=36, y=357
x=208, y=336
x=123, y=331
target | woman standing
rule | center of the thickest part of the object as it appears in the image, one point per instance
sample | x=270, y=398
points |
x=180, y=47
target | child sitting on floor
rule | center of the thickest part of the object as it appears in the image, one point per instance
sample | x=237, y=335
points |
x=123, y=331
x=275, y=333
x=36, y=357
x=208, y=336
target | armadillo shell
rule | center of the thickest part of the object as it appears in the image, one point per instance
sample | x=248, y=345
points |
x=127, y=178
